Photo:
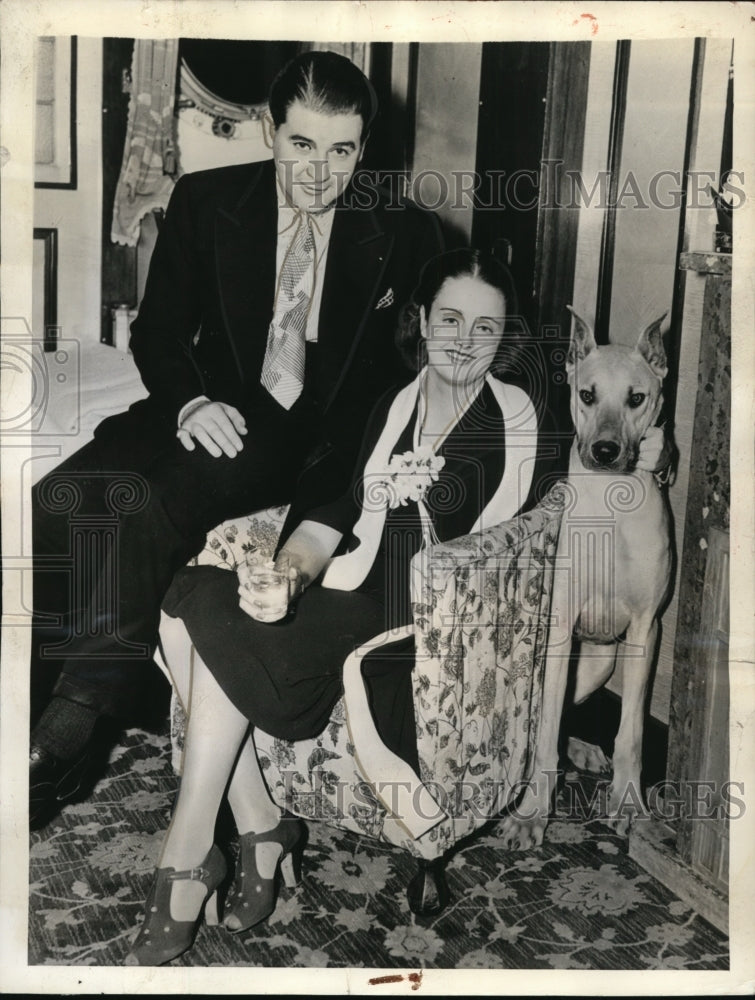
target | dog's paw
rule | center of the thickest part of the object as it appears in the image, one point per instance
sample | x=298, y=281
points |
x=587, y=757
x=518, y=835
x=625, y=808
x=623, y=823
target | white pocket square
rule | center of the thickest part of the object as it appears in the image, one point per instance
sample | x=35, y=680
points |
x=385, y=300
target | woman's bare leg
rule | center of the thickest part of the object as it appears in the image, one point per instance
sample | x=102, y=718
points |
x=248, y=796
x=216, y=730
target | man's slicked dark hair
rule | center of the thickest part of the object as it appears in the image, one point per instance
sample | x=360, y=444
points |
x=324, y=82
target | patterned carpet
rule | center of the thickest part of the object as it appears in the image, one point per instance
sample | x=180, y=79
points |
x=578, y=902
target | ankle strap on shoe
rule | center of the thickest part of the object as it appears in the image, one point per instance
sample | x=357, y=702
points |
x=198, y=874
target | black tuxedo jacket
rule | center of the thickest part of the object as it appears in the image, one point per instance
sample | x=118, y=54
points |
x=203, y=322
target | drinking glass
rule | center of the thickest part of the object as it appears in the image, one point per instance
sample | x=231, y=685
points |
x=268, y=585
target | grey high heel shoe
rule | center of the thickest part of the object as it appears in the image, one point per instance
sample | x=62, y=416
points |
x=254, y=897
x=160, y=938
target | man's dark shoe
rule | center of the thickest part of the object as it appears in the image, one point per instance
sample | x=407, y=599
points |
x=53, y=781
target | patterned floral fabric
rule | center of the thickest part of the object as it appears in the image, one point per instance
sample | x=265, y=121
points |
x=228, y=544
x=480, y=603
x=149, y=158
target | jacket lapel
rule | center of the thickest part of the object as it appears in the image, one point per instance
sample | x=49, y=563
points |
x=348, y=571
x=358, y=256
x=245, y=244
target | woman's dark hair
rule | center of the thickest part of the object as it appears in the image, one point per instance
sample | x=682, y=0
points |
x=324, y=82
x=463, y=263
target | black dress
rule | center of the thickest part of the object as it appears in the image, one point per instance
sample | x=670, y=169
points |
x=286, y=677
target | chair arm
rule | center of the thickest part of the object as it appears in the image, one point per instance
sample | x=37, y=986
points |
x=472, y=556
x=227, y=544
x=481, y=605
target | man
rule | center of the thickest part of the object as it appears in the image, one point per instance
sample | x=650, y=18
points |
x=264, y=336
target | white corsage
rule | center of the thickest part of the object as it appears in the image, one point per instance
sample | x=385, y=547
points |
x=408, y=478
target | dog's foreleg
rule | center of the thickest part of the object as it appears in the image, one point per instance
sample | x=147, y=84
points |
x=596, y=664
x=625, y=801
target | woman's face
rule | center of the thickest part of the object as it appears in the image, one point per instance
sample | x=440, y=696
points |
x=463, y=329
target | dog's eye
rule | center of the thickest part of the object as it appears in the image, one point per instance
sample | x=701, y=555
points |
x=587, y=397
x=637, y=399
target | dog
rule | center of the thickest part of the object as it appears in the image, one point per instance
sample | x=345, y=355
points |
x=612, y=570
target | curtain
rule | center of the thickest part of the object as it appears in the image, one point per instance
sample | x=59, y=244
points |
x=149, y=157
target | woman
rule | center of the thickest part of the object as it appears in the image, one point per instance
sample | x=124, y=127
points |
x=436, y=464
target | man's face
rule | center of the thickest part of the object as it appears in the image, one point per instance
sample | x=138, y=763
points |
x=316, y=155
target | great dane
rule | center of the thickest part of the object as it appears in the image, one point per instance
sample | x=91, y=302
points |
x=613, y=567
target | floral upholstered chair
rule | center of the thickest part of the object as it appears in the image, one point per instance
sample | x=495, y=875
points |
x=481, y=606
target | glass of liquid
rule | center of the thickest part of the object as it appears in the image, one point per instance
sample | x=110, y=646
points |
x=268, y=585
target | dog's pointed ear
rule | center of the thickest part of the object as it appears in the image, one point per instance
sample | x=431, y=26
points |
x=650, y=346
x=582, y=340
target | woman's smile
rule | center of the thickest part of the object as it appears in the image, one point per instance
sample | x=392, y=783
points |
x=459, y=356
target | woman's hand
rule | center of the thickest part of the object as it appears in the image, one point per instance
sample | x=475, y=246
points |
x=656, y=454
x=267, y=590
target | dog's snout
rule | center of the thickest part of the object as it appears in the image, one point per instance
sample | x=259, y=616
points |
x=605, y=452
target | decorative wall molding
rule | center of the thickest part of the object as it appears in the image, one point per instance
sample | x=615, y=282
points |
x=49, y=286
x=55, y=118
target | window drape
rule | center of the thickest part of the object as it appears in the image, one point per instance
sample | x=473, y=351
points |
x=149, y=156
